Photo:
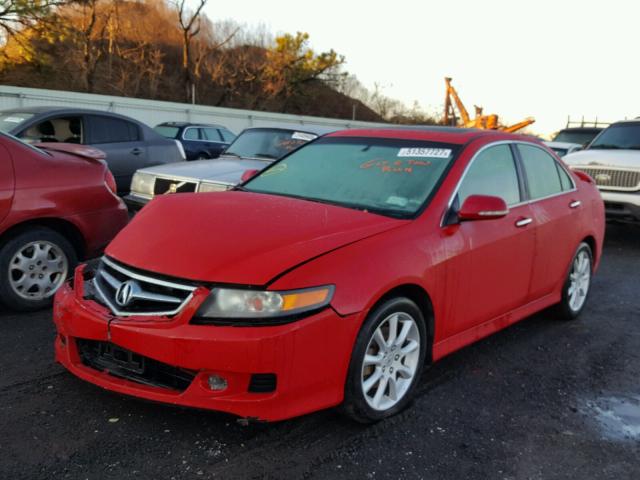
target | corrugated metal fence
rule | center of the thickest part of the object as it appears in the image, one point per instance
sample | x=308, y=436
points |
x=153, y=112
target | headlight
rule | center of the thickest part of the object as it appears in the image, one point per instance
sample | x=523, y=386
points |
x=224, y=303
x=142, y=183
x=213, y=187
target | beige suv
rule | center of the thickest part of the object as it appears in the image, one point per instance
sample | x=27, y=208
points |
x=613, y=161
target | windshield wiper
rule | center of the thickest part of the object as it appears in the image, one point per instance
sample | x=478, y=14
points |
x=265, y=155
x=231, y=154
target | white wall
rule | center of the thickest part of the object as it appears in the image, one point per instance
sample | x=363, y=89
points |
x=153, y=112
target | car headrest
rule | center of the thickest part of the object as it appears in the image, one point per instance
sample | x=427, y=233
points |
x=75, y=126
x=46, y=128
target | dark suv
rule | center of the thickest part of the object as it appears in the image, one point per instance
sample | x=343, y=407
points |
x=200, y=141
x=128, y=143
x=579, y=135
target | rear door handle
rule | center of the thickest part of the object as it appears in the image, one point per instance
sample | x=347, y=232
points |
x=575, y=204
x=136, y=151
x=523, y=222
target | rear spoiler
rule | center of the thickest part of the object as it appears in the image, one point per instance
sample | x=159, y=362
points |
x=83, y=151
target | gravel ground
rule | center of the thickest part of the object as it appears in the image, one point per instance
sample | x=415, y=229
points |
x=541, y=400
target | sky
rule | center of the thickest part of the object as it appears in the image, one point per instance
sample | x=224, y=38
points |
x=549, y=59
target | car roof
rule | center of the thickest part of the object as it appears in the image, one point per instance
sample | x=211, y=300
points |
x=66, y=111
x=582, y=129
x=622, y=122
x=452, y=135
x=190, y=124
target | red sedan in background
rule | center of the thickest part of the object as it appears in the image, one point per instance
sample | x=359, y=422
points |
x=335, y=274
x=57, y=205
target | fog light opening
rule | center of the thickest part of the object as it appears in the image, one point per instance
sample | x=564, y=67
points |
x=217, y=383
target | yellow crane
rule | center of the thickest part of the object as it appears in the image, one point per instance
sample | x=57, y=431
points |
x=452, y=102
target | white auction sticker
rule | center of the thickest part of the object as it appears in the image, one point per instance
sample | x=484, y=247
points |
x=425, y=152
x=307, y=137
x=13, y=119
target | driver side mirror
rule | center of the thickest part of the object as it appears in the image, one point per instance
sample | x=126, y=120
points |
x=249, y=174
x=482, y=207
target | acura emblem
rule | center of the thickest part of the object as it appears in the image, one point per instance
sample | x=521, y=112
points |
x=124, y=293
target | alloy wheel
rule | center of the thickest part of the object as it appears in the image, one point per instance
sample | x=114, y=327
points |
x=579, y=280
x=391, y=361
x=37, y=270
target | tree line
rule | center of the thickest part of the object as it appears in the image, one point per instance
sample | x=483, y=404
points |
x=171, y=50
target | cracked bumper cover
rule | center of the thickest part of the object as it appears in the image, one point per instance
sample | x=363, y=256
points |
x=310, y=357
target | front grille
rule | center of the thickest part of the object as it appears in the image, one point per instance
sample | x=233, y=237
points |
x=614, y=179
x=126, y=292
x=165, y=185
x=123, y=363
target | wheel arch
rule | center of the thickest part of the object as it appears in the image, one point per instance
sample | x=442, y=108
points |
x=64, y=227
x=422, y=299
x=591, y=241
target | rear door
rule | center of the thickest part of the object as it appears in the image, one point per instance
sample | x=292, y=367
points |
x=556, y=209
x=216, y=144
x=122, y=141
x=7, y=182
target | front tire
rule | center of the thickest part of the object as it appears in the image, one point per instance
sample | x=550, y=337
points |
x=33, y=266
x=386, y=362
x=577, y=285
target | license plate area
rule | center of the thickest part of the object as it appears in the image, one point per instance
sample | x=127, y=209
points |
x=110, y=356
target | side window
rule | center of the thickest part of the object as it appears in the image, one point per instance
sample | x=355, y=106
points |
x=541, y=170
x=565, y=181
x=211, y=134
x=61, y=129
x=191, y=134
x=112, y=130
x=227, y=136
x=493, y=172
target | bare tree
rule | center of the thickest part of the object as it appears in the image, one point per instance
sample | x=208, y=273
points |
x=15, y=14
x=190, y=24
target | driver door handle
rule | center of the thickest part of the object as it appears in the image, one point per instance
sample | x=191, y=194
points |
x=523, y=222
x=575, y=204
x=136, y=151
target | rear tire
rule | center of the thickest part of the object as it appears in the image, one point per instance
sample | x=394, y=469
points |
x=33, y=266
x=577, y=285
x=386, y=362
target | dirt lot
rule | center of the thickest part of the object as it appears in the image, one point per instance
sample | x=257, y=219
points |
x=543, y=399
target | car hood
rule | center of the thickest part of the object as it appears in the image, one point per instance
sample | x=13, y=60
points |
x=604, y=158
x=238, y=237
x=223, y=169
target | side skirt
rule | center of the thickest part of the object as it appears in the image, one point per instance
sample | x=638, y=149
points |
x=462, y=339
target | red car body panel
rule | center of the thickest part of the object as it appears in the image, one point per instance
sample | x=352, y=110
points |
x=478, y=276
x=275, y=242
x=62, y=187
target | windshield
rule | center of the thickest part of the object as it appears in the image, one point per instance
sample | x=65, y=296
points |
x=167, y=131
x=581, y=137
x=9, y=121
x=387, y=176
x=268, y=144
x=621, y=136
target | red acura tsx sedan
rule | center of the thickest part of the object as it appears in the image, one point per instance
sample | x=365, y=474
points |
x=335, y=274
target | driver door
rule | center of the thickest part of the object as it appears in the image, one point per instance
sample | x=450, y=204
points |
x=493, y=270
